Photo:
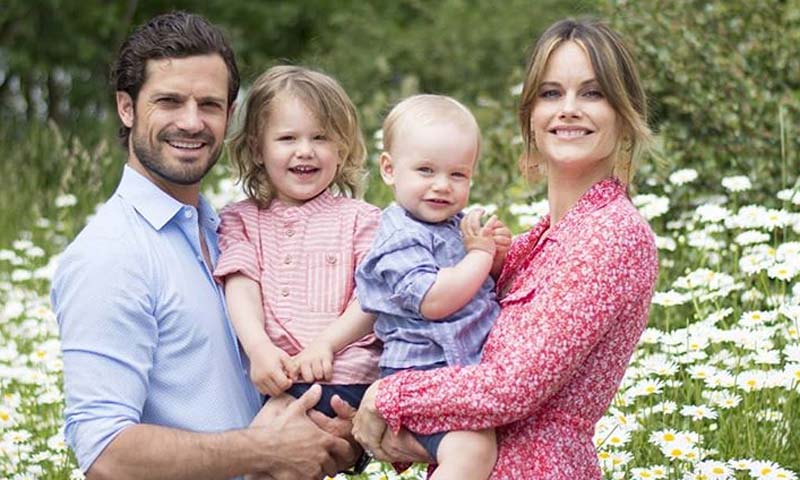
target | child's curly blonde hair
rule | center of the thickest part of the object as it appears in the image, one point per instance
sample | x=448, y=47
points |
x=327, y=101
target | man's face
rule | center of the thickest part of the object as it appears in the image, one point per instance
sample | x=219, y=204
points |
x=179, y=119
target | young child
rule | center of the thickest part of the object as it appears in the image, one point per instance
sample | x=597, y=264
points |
x=427, y=276
x=289, y=252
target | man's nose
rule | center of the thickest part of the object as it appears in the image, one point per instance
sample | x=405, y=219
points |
x=190, y=119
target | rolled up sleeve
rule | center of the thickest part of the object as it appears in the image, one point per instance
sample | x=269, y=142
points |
x=108, y=340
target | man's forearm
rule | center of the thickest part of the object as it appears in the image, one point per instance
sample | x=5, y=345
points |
x=152, y=452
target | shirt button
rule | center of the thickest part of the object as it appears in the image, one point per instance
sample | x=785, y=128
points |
x=187, y=212
x=287, y=260
x=285, y=292
x=289, y=232
x=330, y=259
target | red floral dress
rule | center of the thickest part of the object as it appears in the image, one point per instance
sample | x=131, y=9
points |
x=576, y=304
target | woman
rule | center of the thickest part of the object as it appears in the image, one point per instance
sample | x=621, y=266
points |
x=575, y=290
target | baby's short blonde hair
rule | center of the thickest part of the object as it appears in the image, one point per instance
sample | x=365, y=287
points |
x=427, y=109
x=327, y=101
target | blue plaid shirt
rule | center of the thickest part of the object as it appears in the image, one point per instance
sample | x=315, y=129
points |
x=392, y=280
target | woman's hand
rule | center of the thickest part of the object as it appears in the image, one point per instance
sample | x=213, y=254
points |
x=371, y=431
x=368, y=425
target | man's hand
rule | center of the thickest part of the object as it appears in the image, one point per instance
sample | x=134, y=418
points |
x=314, y=363
x=297, y=447
x=342, y=427
x=269, y=370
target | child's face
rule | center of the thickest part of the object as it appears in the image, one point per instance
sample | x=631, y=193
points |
x=430, y=168
x=299, y=156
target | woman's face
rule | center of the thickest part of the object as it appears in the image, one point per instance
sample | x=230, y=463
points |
x=574, y=126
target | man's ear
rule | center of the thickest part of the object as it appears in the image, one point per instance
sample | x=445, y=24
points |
x=125, y=109
x=387, y=169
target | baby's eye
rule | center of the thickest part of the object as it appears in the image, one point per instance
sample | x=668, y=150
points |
x=459, y=174
x=285, y=138
x=426, y=170
x=321, y=137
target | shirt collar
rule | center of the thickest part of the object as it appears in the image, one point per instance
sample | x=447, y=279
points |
x=598, y=196
x=321, y=202
x=453, y=222
x=154, y=204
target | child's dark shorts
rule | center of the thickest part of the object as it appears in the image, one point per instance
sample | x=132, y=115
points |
x=351, y=394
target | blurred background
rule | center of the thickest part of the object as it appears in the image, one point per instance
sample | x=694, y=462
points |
x=723, y=79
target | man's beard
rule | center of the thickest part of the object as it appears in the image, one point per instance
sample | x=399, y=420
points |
x=178, y=173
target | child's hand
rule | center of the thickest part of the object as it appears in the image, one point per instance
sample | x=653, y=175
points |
x=477, y=237
x=269, y=370
x=314, y=363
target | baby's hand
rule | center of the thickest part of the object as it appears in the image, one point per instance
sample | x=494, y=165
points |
x=477, y=237
x=269, y=371
x=314, y=363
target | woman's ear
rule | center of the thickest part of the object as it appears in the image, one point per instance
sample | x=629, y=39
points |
x=387, y=169
x=126, y=109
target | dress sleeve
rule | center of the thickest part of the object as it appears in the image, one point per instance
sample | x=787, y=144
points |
x=238, y=242
x=108, y=339
x=537, y=350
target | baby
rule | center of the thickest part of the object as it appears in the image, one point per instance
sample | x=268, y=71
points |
x=428, y=275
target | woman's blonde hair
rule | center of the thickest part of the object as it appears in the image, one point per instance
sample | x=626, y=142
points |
x=331, y=106
x=617, y=76
x=426, y=109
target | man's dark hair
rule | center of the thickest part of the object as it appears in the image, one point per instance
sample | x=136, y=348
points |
x=170, y=35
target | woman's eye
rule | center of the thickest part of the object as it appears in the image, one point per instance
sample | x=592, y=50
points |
x=594, y=93
x=549, y=93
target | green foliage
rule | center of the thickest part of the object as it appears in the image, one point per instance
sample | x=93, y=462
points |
x=723, y=78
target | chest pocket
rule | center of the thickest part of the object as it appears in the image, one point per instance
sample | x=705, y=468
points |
x=330, y=280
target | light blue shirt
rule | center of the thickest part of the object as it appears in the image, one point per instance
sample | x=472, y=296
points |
x=393, y=279
x=144, y=330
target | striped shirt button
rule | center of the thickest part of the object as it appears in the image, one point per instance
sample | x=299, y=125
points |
x=287, y=260
x=285, y=291
x=330, y=258
x=289, y=232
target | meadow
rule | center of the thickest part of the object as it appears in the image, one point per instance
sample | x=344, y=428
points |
x=713, y=389
x=712, y=392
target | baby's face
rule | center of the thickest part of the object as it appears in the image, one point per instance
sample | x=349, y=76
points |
x=430, y=168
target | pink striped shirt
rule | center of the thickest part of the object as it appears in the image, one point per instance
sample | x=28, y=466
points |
x=304, y=258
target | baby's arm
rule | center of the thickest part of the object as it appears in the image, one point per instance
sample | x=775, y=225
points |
x=455, y=286
x=315, y=362
x=268, y=363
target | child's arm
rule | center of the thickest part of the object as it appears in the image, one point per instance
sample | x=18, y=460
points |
x=455, y=286
x=315, y=362
x=268, y=363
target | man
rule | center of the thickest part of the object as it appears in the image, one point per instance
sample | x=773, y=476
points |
x=154, y=381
